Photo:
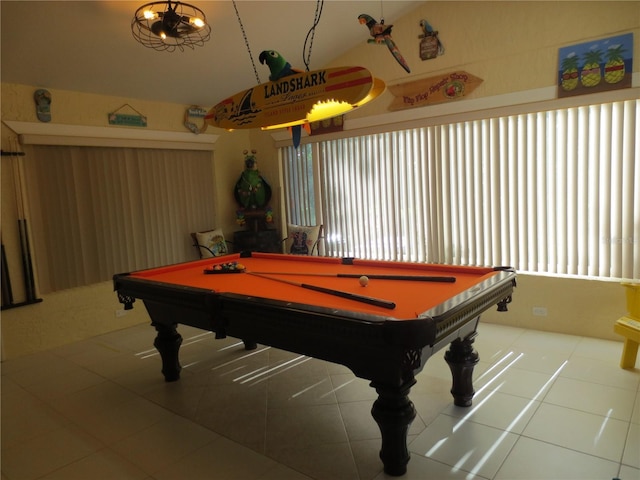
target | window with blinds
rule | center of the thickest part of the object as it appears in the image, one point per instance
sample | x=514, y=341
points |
x=99, y=211
x=300, y=206
x=554, y=192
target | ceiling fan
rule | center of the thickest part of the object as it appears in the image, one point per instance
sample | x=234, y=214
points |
x=169, y=25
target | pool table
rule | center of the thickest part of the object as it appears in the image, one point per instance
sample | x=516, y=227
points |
x=384, y=331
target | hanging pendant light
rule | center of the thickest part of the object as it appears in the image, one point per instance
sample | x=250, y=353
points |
x=299, y=99
x=295, y=98
x=170, y=25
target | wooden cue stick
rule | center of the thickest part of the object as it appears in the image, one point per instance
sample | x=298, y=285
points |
x=27, y=268
x=338, y=293
x=7, y=293
x=414, y=278
x=25, y=248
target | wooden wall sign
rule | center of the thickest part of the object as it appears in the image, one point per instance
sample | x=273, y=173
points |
x=329, y=125
x=429, y=91
x=127, y=119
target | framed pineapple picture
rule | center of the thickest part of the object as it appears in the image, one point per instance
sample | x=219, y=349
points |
x=596, y=66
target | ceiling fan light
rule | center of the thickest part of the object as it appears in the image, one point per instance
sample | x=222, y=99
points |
x=197, y=22
x=168, y=25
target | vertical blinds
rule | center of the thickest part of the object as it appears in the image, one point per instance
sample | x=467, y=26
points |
x=99, y=211
x=554, y=192
x=299, y=178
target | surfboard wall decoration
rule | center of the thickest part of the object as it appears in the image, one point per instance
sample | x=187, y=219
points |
x=294, y=99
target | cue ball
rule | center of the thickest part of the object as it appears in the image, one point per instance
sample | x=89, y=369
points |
x=364, y=280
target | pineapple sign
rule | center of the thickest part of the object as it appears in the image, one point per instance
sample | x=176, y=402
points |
x=597, y=66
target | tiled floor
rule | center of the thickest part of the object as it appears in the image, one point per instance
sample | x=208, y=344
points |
x=547, y=406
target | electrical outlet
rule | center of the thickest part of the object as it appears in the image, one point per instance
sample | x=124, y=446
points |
x=540, y=311
x=120, y=313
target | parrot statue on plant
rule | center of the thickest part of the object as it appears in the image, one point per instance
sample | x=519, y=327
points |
x=381, y=33
x=279, y=68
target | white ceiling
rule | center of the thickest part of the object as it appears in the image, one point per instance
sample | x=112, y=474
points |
x=87, y=46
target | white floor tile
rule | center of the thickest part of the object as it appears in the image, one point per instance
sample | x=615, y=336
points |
x=311, y=460
x=499, y=334
x=587, y=433
x=542, y=361
x=223, y=458
x=164, y=443
x=422, y=468
x=631, y=456
x=47, y=453
x=592, y=398
x=495, y=409
x=25, y=417
x=635, y=418
x=464, y=445
x=301, y=426
x=629, y=473
x=102, y=465
x=532, y=340
x=599, y=349
x=349, y=388
x=100, y=408
x=602, y=372
x=507, y=378
x=284, y=391
x=535, y=460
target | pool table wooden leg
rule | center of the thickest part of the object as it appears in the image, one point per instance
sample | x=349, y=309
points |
x=394, y=412
x=168, y=343
x=462, y=358
x=249, y=344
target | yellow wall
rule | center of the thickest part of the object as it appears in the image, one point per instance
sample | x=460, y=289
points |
x=78, y=313
x=511, y=45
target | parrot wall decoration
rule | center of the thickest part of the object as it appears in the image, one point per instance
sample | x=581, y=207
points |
x=430, y=46
x=279, y=68
x=381, y=34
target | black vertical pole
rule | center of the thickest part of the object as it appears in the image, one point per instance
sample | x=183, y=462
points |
x=27, y=266
x=7, y=293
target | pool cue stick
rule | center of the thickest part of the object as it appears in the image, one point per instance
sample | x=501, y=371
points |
x=25, y=248
x=414, y=278
x=338, y=293
x=7, y=293
x=26, y=260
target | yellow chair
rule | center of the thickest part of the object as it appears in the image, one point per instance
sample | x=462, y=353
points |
x=629, y=326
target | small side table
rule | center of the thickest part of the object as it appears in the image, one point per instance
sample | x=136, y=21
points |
x=257, y=241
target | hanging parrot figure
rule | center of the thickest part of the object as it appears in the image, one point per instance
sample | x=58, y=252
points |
x=279, y=68
x=381, y=33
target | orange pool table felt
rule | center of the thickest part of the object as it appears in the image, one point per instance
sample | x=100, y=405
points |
x=411, y=298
